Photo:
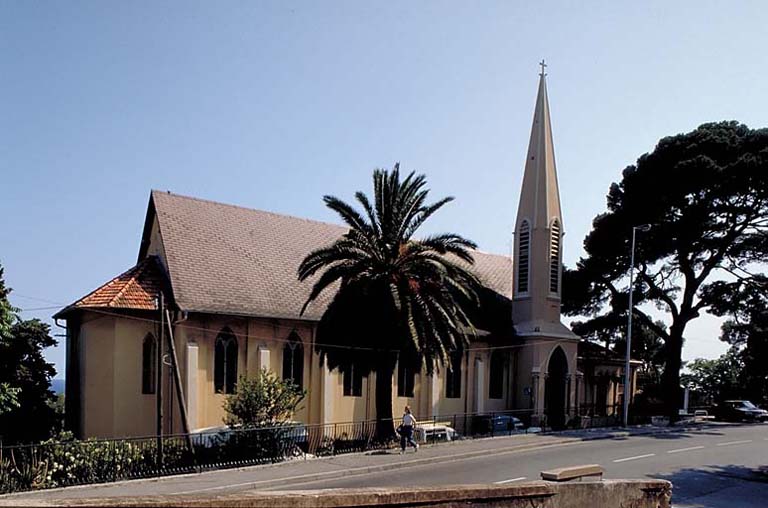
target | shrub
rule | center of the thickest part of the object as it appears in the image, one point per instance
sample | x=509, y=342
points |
x=262, y=401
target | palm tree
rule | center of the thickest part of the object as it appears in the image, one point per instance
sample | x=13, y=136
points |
x=397, y=298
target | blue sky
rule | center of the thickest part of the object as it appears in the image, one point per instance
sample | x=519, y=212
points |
x=273, y=104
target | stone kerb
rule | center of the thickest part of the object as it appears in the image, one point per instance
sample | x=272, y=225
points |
x=589, y=494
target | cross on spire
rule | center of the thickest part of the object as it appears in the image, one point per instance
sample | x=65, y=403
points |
x=543, y=65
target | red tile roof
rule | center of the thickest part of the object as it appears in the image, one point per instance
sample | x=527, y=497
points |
x=136, y=289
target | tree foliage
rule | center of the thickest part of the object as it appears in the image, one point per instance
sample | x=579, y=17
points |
x=262, y=401
x=745, y=303
x=25, y=372
x=396, y=296
x=9, y=398
x=718, y=379
x=705, y=193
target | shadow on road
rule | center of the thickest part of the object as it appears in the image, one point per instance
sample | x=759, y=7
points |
x=718, y=486
x=685, y=434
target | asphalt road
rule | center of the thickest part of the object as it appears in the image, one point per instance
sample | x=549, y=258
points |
x=712, y=467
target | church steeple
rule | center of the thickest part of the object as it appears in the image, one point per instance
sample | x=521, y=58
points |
x=540, y=178
x=539, y=227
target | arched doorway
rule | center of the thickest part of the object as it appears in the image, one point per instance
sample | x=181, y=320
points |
x=555, y=389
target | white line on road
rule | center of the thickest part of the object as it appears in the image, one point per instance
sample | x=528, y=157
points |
x=685, y=449
x=728, y=443
x=635, y=457
x=510, y=480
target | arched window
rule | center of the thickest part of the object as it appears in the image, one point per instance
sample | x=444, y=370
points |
x=225, y=362
x=405, y=379
x=352, y=378
x=148, y=364
x=554, y=258
x=496, y=376
x=453, y=377
x=523, y=256
x=293, y=361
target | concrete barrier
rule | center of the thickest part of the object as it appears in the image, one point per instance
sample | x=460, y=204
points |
x=593, y=494
x=566, y=474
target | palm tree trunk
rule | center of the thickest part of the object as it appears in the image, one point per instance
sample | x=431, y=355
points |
x=385, y=428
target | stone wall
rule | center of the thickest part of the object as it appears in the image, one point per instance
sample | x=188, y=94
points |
x=588, y=494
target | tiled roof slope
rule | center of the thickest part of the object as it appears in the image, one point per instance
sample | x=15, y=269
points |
x=232, y=260
x=136, y=289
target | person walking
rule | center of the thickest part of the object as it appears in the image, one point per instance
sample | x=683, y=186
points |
x=406, y=430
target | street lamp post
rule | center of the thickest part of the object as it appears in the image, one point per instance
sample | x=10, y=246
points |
x=627, y=372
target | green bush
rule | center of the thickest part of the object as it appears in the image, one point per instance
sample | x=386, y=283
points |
x=65, y=461
x=262, y=401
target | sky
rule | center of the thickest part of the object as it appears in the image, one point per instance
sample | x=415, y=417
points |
x=271, y=105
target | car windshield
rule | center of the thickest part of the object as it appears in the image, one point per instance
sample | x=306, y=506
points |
x=747, y=404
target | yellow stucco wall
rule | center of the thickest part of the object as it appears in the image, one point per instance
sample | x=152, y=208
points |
x=111, y=356
x=134, y=413
x=97, y=337
x=114, y=406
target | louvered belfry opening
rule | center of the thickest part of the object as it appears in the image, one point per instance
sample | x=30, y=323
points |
x=554, y=258
x=523, y=257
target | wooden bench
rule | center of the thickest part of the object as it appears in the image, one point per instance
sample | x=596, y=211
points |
x=564, y=474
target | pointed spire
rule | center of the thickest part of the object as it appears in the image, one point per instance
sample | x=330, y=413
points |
x=538, y=230
x=540, y=178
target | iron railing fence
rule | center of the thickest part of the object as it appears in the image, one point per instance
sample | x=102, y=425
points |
x=73, y=462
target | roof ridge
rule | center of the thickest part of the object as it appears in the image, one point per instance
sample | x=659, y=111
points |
x=250, y=209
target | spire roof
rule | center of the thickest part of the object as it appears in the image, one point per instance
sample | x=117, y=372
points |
x=540, y=201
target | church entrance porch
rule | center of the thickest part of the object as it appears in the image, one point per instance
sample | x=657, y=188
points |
x=555, y=391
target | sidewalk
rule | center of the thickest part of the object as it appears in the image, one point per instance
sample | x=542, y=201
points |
x=296, y=472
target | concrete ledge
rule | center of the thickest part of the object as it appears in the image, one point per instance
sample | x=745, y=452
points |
x=601, y=494
x=564, y=474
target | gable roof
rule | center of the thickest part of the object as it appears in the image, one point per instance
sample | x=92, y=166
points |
x=227, y=259
x=136, y=289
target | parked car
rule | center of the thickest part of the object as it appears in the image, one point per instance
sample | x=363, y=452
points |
x=496, y=424
x=741, y=410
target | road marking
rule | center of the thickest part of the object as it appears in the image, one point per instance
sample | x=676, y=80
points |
x=510, y=480
x=728, y=443
x=685, y=449
x=635, y=457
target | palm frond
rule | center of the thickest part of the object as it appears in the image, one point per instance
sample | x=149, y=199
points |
x=394, y=291
x=348, y=214
x=425, y=214
x=343, y=271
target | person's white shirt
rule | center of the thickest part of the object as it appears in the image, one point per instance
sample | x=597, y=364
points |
x=408, y=420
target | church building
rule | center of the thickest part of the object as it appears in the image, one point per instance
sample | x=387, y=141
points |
x=227, y=277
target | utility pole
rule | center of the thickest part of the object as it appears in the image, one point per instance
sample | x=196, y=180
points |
x=177, y=382
x=159, y=388
x=627, y=371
